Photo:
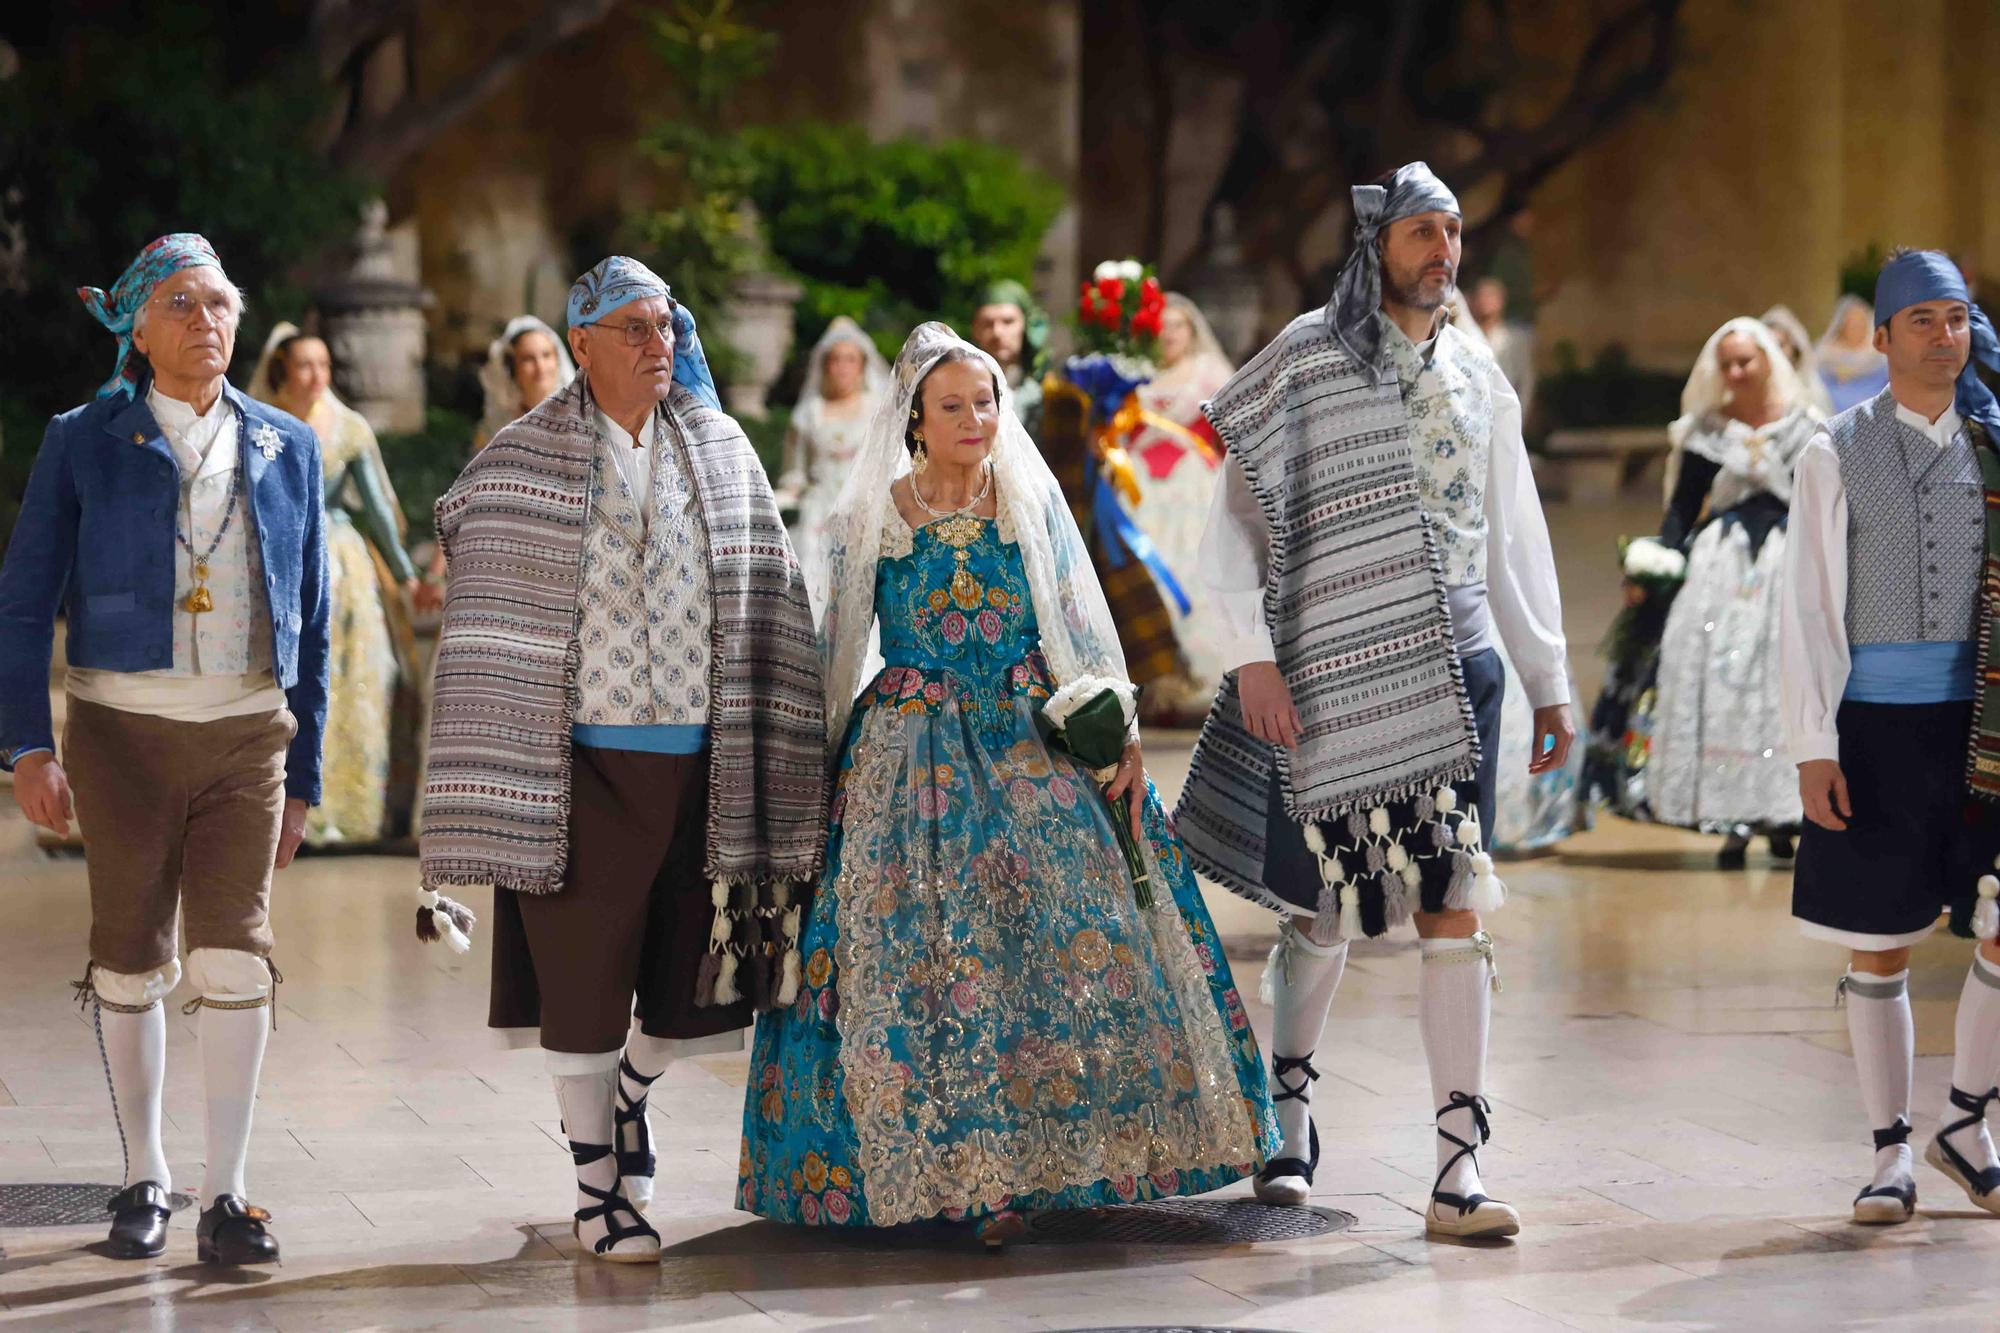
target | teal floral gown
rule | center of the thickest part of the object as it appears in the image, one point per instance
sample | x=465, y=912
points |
x=986, y=1020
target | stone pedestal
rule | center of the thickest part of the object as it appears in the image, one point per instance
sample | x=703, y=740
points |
x=372, y=318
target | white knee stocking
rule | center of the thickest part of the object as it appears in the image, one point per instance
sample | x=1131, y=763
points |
x=1884, y=1040
x=135, y=1057
x=1975, y=1061
x=586, y=1101
x=232, y=1056
x=1454, y=1006
x=1299, y=983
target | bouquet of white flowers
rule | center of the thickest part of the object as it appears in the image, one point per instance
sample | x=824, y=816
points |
x=1653, y=564
x=1089, y=719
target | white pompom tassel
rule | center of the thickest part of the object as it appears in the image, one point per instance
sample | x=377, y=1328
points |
x=788, y=989
x=725, y=981
x=1350, y=912
x=1447, y=800
x=1986, y=916
x=1488, y=893
x=1315, y=840
x=1378, y=821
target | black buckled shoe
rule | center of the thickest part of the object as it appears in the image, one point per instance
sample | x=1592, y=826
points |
x=139, y=1216
x=1287, y=1181
x=233, y=1232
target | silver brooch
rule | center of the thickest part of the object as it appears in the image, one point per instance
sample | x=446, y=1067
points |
x=266, y=441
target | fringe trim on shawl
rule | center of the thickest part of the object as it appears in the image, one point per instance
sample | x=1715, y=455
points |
x=1372, y=868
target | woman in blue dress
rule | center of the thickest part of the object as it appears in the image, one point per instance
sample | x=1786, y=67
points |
x=988, y=1024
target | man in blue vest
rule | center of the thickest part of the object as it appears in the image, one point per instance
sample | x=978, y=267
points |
x=1882, y=621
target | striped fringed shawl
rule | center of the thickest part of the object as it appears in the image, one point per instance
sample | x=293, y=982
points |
x=496, y=793
x=1356, y=605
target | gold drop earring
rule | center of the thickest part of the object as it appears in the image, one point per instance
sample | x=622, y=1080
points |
x=922, y=459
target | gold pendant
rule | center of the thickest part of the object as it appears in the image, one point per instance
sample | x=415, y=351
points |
x=199, y=601
x=960, y=531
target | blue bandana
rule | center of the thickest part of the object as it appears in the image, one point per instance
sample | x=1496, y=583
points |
x=1357, y=295
x=1928, y=275
x=619, y=280
x=117, y=308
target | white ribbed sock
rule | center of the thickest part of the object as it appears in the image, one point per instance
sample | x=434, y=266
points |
x=1885, y=1043
x=1300, y=980
x=1454, y=1006
x=232, y=1055
x=1975, y=1060
x=135, y=1051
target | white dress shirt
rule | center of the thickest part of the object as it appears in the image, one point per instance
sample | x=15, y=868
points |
x=1813, y=652
x=635, y=465
x=1520, y=563
x=222, y=658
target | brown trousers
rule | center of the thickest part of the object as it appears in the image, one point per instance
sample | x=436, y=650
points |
x=176, y=815
x=632, y=918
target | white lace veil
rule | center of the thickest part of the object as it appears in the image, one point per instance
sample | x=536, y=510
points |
x=1806, y=359
x=496, y=375
x=259, y=386
x=874, y=370
x=1705, y=391
x=1078, y=635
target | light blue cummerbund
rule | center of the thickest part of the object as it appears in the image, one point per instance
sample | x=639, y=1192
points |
x=649, y=740
x=1912, y=673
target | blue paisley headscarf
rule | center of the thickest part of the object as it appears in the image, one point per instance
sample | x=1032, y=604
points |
x=1357, y=295
x=117, y=308
x=619, y=280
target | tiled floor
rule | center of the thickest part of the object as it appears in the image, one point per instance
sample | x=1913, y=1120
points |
x=1674, y=1115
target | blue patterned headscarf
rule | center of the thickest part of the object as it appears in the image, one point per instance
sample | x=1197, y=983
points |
x=1357, y=295
x=619, y=280
x=1928, y=275
x=117, y=308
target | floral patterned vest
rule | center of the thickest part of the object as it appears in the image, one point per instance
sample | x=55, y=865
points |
x=1449, y=399
x=645, y=597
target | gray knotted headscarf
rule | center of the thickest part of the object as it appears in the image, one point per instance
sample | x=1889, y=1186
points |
x=1357, y=295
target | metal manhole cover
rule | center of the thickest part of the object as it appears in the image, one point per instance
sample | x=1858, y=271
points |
x=1188, y=1222
x=63, y=1205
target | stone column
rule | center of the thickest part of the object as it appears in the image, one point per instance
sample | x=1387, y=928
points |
x=373, y=320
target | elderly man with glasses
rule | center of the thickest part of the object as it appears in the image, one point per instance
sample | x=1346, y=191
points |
x=628, y=741
x=178, y=526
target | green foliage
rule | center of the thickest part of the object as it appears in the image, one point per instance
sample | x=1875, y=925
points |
x=423, y=464
x=894, y=233
x=1609, y=392
x=1858, y=274
x=709, y=54
x=115, y=137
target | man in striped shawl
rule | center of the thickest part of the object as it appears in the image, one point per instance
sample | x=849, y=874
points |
x=1377, y=526
x=628, y=740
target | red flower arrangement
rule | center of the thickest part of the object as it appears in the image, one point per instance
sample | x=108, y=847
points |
x=1118, y=311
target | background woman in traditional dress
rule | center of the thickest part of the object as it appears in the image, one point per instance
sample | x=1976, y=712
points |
x=1719, y=761
x=1853, y=370
x=845, y=376
x=1798, y=348
x=988, y=1022
x=1177, y=465
x=371, y=716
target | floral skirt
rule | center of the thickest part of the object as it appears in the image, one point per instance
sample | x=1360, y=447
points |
x=987, y=1019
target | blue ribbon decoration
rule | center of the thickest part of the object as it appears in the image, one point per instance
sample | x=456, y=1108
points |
x=1123, y=540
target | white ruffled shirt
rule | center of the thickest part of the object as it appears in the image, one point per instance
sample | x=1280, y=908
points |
x=1813, y=654
x=1520, y=563
x=222, y=658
